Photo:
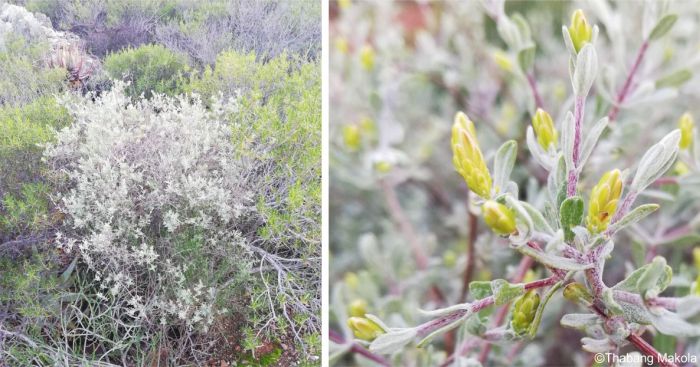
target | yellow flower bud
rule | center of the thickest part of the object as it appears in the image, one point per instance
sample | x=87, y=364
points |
x=544, y=129
x=696, y=258
x=367, y=125
x=580, y=31
x=524, y=311
x=364, y=328
x=357, y=308
x=503, y=61
x=383, y=166
x=499, y=217
x=681, y=169
x=449, y=258
x=341, y=44
x=529, y=276
x=344, y=4
x=577, y=293
x=367, y=57
x=686, y=124
x=467, y=157
x=603, y=201
x=351, y=137
x=352, y=280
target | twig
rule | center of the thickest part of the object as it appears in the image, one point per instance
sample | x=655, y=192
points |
x=469, y=270
x=649, y=350
x=533, y=87
x=428, y=327
x=335, y=337
x=407, y=230
x=628, y=82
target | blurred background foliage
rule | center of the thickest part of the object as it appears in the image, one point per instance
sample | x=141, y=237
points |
x=399, y=219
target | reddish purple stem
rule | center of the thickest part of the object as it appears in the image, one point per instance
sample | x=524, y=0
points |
x=624, y=208
x=624, y=92
x=533, y=86
x=476, y=306
x=578, y=121
x=335, y=337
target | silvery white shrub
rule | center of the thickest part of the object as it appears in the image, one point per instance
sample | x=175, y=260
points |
x=139, y=176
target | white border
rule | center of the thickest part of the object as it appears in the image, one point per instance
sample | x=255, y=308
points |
x=324, y=185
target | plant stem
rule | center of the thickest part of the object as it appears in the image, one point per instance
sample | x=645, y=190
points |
x=640, y=343
x=532, y=82
x=649, y=350
x=578, y=121
x=335, y=337
x=525, y=264
x=628, y=82
x=476, y=306
x=469, y=270
x=594, y=275
x=624, y=208
x=401, y=219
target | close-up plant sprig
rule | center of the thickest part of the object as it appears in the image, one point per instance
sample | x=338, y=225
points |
x=589, y=204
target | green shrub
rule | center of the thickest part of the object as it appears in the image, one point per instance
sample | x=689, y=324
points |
x=277, y=125
x=149, y=69
x=25, y=212
x=21, y=80
x=24, y=201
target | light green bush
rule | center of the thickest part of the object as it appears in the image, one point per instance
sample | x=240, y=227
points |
x=149, y=68
x=277, y=125
x=25, y=212
x=21, y=79
x=24, y=203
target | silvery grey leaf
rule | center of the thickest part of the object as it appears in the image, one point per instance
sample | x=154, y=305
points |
x=596, y=345
x=522, y=219
x=509, y=32
x=670, y=323
x=568, y=41
x=633, y=216
x=591, y=140
x=688, y=306
x=567, y=140
x=503, y=164
x=586, y=70
x=447, y=310
x=656, y=161
x=554, y=261
x=541, y=157
x=663, y=26
x=579, y=321
x=540, y=224
x=392, y=341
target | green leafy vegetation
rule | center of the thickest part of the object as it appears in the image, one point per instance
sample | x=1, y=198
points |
x=160, y=192
x=149, y=69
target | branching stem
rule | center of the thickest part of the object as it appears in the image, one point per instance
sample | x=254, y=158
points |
x=474, y=307
x=624, y=92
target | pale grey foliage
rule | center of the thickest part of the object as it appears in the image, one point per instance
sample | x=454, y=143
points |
x=143, y=179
